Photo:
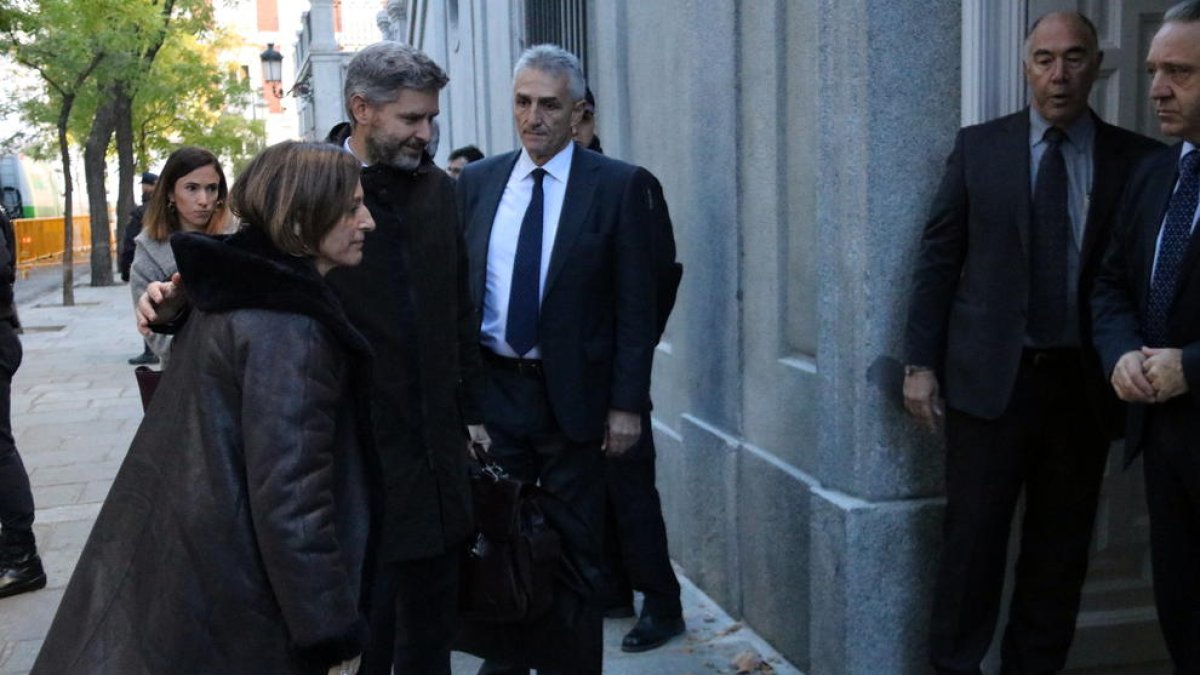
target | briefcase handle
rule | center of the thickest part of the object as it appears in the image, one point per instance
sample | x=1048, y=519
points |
x=488, y=466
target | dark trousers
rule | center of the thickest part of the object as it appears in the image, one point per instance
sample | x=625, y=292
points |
x=1050, y=444
x=635, y=535
x=528, y=443
x=414, y=616
x=1172, y=470
x=16, y=498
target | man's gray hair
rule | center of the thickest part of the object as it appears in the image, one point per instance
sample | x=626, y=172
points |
x=1088, y=27
x=380, y=71
x=1184, y=12
x=556, y=61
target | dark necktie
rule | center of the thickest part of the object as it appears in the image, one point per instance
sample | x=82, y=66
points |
x=521, y=329
x=1176, y=231
x=1049, y=239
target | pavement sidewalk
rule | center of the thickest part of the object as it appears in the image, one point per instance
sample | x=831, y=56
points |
x=75, y=409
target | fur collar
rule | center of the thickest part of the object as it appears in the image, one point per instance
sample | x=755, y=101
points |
x=244, y=270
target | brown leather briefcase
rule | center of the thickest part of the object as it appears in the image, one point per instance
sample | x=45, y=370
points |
x=509, y=564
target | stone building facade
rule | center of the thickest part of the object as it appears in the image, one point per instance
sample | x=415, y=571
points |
x=799, y=144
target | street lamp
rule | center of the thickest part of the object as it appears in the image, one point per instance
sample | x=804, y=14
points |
x=272, y=68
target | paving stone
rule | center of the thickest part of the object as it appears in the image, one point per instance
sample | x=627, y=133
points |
x=95, y=491
x=77, y=395
x=68, y=513
x=21, y=659
x=57, y=495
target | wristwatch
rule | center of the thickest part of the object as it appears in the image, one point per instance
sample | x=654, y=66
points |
x=913, y=370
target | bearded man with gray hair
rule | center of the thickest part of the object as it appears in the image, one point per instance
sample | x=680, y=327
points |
x=409, y=298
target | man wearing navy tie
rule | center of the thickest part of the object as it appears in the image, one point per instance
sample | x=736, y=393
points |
x=1147, y=311
x=1000, y=356
x=560, y=255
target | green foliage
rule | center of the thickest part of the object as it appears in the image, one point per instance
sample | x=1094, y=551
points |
x=164, y=52
x=191, y=98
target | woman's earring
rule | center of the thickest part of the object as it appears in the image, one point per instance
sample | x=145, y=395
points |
x=171, y=207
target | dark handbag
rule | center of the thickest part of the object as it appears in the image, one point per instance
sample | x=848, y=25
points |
x=508, y=567
x=147, y=381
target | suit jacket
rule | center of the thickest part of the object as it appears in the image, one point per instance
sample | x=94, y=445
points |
x=971, y=286
x=1122, y=286
x=596, y=329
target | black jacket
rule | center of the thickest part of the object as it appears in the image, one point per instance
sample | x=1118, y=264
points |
x=597, y=324
x=409, y=297
x=235, y=535
x=970, y=289
x=8, y=269
x=1122, y=288
x=128, y=247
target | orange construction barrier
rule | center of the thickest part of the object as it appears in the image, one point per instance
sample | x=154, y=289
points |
x=41, y=239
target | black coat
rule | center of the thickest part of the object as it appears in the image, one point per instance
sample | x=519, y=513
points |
x=1122, y=288
x=970, y=288
x=132, y=229
x=409, y=298
x=235, y=535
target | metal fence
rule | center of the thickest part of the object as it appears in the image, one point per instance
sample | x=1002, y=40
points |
x=41, y=239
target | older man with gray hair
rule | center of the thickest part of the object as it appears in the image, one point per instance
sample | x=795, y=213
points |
x=561, y=269
x=409, y=298
x=1147, y=308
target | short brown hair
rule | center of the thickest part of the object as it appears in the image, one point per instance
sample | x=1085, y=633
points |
x=160, y=222
x=296, y=193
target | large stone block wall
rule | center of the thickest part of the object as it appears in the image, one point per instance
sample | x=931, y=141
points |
x=798, y=144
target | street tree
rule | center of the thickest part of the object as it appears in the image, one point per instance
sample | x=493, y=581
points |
x=64, y=42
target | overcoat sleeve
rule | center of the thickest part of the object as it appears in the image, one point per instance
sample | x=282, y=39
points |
x=1116, y=327
x=470, y=362
x=143, y=270
x=635, y=308
x=292, y=386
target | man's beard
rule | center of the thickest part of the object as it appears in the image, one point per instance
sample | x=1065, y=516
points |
x=390, y=152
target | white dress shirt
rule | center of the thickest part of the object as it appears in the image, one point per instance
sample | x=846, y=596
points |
x=506, y=229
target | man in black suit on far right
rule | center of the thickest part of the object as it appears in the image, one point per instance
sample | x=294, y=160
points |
x=999, y=323
x=1147, y=309
x=559, y=242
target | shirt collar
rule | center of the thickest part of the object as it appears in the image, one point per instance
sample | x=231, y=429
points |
x=346, y=146
x=1079, y=133
x=559, y=166
x=1188, y=146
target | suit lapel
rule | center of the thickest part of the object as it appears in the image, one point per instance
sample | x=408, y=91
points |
x=483, y=214
x=581, y=188
x=1012, y=150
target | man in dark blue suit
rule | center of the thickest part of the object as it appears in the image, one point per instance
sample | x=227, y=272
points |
x=999, y=324
x=559, y=241
x=1147, y=309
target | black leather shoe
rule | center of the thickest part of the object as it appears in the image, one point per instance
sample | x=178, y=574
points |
x=146, y=359
x=651, y=632
x=21, y=573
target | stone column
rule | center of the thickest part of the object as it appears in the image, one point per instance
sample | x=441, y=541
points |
x=326, y=63
x=889, y=107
